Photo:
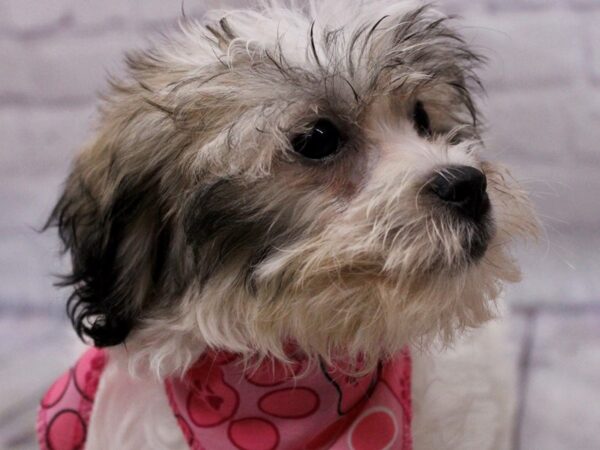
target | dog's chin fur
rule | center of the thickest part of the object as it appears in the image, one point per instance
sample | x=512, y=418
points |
x=192, y=222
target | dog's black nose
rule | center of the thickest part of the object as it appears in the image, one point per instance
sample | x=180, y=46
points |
x=463, y=188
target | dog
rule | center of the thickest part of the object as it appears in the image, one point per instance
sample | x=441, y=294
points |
x=294, y=184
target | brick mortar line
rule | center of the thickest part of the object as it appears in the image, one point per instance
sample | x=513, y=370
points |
x=524, y=367
x=40, y=32
x=578, y=83
x=49, y=310
x=24, y=101
x=562, y=309
x=533, y=87
x=68, y=27
x=24, y=437
x=513, y=9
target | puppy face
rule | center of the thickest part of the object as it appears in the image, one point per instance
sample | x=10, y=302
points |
x=284, y=176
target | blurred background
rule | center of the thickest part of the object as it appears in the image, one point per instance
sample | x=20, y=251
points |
x=543, y=110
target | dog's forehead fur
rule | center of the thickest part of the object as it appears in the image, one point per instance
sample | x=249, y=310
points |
x=224, y=80
x=192, y=222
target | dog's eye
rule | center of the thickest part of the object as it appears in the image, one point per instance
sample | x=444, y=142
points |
x=321, y=141
x=421, y=120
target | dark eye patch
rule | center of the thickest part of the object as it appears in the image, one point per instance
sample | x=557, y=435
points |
x=421, y=120
x=322, y=141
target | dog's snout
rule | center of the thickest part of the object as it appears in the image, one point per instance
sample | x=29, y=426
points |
x=463, y=188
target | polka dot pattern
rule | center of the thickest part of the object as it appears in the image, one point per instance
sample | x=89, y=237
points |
x=253, y=434
x=376, y=429
x=211, y=400
x=65, y=409
x=269, y=408
x=290, y=403
x=57, y=391
x=66, y=430
x=218, y=405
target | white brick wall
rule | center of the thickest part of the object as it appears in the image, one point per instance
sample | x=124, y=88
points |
x=543, y=107
x=529, y=49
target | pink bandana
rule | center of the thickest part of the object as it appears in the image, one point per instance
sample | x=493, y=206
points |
x=66, y=408
x=220, y=407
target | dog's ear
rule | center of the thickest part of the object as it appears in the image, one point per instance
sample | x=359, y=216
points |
x=113, y=228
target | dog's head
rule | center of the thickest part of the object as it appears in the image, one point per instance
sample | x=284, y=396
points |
x=283, y=176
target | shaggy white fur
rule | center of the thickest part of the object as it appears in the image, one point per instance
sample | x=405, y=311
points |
x=465, y=396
